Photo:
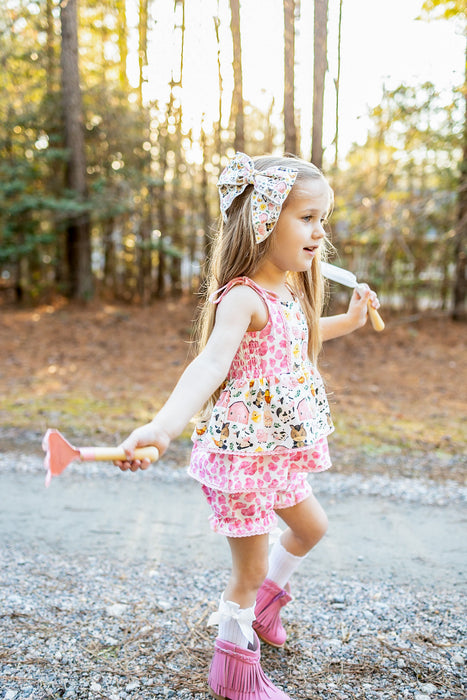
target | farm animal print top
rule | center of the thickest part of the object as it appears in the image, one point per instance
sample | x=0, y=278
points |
x=273, y=400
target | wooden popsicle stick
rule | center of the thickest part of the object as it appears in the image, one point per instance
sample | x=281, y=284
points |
x=376, y=320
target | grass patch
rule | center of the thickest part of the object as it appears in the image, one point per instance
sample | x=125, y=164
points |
x=110, y=419
x=384, y=433
x=79, y=416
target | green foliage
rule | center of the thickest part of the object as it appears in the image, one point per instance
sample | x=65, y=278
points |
x=396, y=203
x=445, y=9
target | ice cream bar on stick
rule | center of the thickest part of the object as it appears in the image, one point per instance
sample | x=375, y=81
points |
x=59, y=454
x=348, y=279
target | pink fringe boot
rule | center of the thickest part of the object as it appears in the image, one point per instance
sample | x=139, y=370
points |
x=236, y=674
x=271, y=598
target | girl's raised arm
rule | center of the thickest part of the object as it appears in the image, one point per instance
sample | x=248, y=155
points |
x=235, y=314
x=355, y=317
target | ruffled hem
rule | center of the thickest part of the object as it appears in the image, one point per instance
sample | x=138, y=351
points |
x=267, y=414
x=254, y=451
x=246, y=514
x=248, y=528
x=251, y=472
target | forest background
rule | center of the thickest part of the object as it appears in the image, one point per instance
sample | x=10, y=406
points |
x=108, y=190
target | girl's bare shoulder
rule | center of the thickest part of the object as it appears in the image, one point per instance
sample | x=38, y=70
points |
x=244, y=301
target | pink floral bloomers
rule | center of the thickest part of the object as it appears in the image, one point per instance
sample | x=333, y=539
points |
x=253, y=512
x=268, y=427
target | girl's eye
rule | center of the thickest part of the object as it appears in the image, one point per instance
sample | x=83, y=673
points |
x=310, y=217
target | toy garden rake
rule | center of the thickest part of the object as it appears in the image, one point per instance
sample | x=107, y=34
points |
x=59, y=454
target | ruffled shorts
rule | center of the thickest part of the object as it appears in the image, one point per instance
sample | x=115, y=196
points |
x=253, y=513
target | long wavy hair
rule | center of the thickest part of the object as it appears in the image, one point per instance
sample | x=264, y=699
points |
x=235, y=253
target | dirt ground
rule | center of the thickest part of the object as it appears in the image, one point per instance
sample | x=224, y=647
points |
x=97, y=372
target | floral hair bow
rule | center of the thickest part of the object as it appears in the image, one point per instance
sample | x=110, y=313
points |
x=270, y=190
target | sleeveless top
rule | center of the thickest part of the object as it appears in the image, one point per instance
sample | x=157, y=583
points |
x=272, y=402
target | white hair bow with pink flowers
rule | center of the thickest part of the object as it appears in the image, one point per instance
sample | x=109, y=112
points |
x=270, y=190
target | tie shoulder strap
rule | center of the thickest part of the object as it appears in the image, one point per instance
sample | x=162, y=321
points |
x=218, y=295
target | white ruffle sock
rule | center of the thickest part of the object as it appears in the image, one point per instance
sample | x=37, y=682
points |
x=282, y=564
x=235, y=624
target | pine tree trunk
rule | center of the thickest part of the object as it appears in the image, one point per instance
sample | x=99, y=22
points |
x=175, y=111
x=144, y=251
x=110, y=256
x=269, y=129
x=50, y=33
x=120, y=6
x=290, y=131
x=217, y=23
x=161, y=207
x=237, y=97
x=337, y=85
x=319, y=72
x=142, y=48
x=78, y=228
x=161, y=257
x=206, y=214
x=459, y=311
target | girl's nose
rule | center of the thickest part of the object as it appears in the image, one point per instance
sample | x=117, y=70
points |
x=318, y=231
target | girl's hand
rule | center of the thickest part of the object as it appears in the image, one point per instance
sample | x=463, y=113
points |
x=357, y=312
x=144, y=436
x=355, y=316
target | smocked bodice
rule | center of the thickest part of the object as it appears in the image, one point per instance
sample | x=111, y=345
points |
x=273, y=399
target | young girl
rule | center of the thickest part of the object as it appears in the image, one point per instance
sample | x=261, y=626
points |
x=264, y=414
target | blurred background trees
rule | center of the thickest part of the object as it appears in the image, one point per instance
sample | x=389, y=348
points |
x=106, y=189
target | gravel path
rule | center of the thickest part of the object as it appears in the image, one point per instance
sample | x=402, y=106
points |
x=94, y=622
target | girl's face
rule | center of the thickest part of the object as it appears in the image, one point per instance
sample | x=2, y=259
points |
x=299, y=229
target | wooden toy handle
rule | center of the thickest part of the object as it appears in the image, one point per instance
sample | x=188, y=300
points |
x=103, y=454
x=376, y=320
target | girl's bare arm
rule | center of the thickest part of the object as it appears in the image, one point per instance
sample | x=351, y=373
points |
x=203, y=375
x=355, y=317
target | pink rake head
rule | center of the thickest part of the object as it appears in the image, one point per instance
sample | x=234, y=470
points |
x=59, y=454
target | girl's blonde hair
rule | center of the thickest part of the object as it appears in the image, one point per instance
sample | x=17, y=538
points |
x=235, y=253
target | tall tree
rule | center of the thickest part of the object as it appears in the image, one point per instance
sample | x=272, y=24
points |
x=78, y=226
x=217, y=23
x=237, y=114
x=175, y=113
x=143, y=46
x=337, y=81
x=120, y=7
x=319, y=72
x=144, y=257
x=50, y=34
x=290, y=129
x=460, y=281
